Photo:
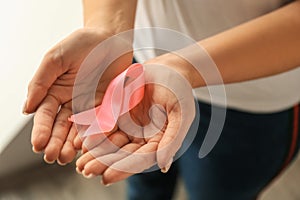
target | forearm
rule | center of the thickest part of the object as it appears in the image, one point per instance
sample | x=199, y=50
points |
x=107, y=18
x=111, y=15
x=264, y=46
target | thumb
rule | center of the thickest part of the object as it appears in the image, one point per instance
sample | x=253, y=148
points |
x=179, y=123
x=49, y=70
x=170, y=142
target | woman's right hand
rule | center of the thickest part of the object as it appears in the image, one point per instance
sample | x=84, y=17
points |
x=50, y=92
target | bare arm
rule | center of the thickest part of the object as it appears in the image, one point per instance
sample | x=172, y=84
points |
x=50, y=90
x=264, y=46
x=115, y=15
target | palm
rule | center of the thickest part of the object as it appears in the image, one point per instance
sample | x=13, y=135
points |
x=141, y=140
x=50, y=93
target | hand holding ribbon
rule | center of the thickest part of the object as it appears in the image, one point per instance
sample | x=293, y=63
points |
x=122, y=94
x=149, y=131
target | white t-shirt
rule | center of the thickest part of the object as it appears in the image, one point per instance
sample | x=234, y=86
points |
x=203, y=18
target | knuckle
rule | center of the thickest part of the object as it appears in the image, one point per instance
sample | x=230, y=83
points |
x=54, y=57
x=57, y=140
x=37, y=85
x=48, y=112
x=62, y=123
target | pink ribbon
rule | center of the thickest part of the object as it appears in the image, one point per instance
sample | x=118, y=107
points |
x=122, y=94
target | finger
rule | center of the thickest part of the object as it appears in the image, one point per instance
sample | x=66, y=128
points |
x=97, y=166
x=170, y=142
x=112, y=144
x=83, y=160
x=43, y=123
x=137, y=162
x=68, y=151
x=59, y=135
x=94, y=140
x=47, y=73
x=77, y=142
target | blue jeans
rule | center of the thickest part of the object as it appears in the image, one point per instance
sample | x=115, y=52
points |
x=251, y=151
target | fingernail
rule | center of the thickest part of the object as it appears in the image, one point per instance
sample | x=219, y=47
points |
x=78, y=170
x=47, y=161
x=87, y=176
x=35, y=151
x=90, y=176
x=24, y=108
x=60, y=163
x=105, y=184
x=167, y=167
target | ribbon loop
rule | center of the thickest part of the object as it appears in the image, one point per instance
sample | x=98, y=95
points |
x=123, y=94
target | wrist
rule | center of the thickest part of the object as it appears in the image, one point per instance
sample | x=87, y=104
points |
x=113, y=15
x=110, y=24
x=180, y=65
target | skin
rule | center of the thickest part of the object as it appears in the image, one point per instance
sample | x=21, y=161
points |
x=50, y=89
x=94, y=162
x=264, y=46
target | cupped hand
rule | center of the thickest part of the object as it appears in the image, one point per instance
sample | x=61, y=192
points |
x=50, y=92
x=150, y=134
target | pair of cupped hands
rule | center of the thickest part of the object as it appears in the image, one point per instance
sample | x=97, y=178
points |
x=119, y=153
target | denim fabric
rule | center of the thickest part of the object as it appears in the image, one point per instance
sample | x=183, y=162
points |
x=249, y=154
